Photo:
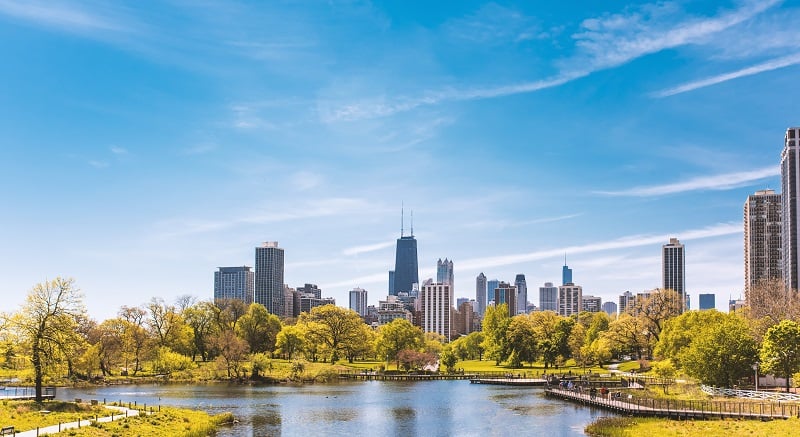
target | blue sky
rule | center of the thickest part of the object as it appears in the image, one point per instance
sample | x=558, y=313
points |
x=145, y=145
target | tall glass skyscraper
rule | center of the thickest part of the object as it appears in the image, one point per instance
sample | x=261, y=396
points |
x=234, y=283
x=548, y=297
x=491, y=285
x=480, y=293
x=269, y=278
x=566, y=274
x=444, y=272
x=406, y=271
x=522, y=294
x=673, y=268
x=790, y=177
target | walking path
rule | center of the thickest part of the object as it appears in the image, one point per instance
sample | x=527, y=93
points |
x=53, y=429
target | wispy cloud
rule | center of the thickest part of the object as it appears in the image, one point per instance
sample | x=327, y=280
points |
x=717, y=182
x=58, y=15
x=601, y=43
x=494, y=24
x=519, y=223
x=773, y=64
x=357, y=250
x=119, y=150
x=98, y=164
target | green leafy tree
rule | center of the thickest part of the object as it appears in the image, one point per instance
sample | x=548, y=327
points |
x=332, y=327
x=655, y=310
x=364, y=348
x=679, y=332
x=627, y=335
x=473, y=344
x=395, y=336
x=521, y=341
x=259, y=328
x=448, y=358
x=495, y=324
x=200, y=318
x=231, y=351
x=780, y=352
x=722, y=353
x=261, y=364
x=553, y=332
x=48, y=322
x=290, y=341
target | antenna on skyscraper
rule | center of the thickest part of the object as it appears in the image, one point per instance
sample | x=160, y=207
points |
x=412, y=222
x=565, y=258
x=402, y=220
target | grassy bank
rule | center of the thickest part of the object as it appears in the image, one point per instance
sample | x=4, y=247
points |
x=630, y=427
x=27, y=415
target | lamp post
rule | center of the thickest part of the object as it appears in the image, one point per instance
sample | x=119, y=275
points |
x=755, y=369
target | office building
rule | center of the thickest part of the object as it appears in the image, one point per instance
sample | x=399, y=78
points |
x=522, y=294
x=436, y=300
x=592, y=304
x=506, y=293
x=444, y=272
x=391, y=283
x=491, y=285
x=790, y=184
x=358, y=301
x=566, y=273
x=707, y=301
x=234, y=283
x=570, y=299
x=673, y=268
x=288, y=301
x=393, y=308
x=610, y=308
x=406, y=271
x=310, y=289
x=480, y=294
x=626, y=302
x=548, y=297
x=309, y=301
x=269, y=278
x=762, y=238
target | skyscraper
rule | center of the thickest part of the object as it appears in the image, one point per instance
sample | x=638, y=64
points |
x=566, y=273
x=506, y=293
x=480, y=293
x=627, y=301
x=522, y=294
x=570, y=299
x=269, y=278
x=762, y=238
x=592, y=304
x=610, y=308
x=673, y=268
x=548, y=297
x=491, y=285
x=790, y=178
x=358, y=301
x=406, y=270
x=391, y=283
x=444, y=272
x=707, y=301
x=436, y=300
x=234, y=283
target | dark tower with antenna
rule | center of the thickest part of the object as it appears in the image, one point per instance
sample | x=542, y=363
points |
x=406, y=271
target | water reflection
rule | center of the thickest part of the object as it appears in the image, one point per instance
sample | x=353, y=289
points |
x=435, y=408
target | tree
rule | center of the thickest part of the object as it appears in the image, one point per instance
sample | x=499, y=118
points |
x=521, y=341
x=770, y=299
x=627, y=335
x=231, y=349
x=363, y=348
x=721, y=353
x=290, y=340
x=47, y=322
x=655, y=310
x=259, y=328
x=679, y=332
x=780, y=352
x=395, y=336
x=495, y=325
x=448, y=358
x=413, y=359
x=553, y=333
x=332, y=327
x=200, y=318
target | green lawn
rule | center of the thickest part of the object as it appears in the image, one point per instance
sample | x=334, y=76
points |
x=630, y=427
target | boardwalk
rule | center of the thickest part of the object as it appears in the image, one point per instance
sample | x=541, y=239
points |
x=25, y=393
x=372, y=376
x=529, y=382
x=117, y=414
x=680, y=409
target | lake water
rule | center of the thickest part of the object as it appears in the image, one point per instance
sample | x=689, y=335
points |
x=373, y=408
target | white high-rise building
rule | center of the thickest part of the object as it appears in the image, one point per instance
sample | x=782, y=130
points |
x=673, y=268
x=436, y=300
x=570, y=299
x=480, y=294
x=522, y=294
x=790, y=184
x=548, y=297
x=358, y=301
x=269, y=278
x=762, y=238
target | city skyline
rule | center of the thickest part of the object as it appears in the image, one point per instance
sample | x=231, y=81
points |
x=147, y=145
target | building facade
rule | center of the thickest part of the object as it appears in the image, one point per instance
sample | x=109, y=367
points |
x=406, y=270
x=506, y=293
x=790, y=178
x=358, y=301
x=673, y=268
x=436, y=300
x=570, y=299
x=480, y=294
x=268, y=289
x=592, y=304
x=491, y=286
x=627, y=301
x=444, y=272
x=234, y=283
x=566, y=274
x=548, y=297
x=310, y=289
x=762, y=238
x=610, y=308
x=707, y=301
x=522, y=294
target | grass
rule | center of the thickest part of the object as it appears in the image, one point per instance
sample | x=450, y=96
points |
x=25, y=415
x=627, y=426
x=167, y=423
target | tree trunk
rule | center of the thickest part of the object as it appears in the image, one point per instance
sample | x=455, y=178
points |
x=36, y=359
